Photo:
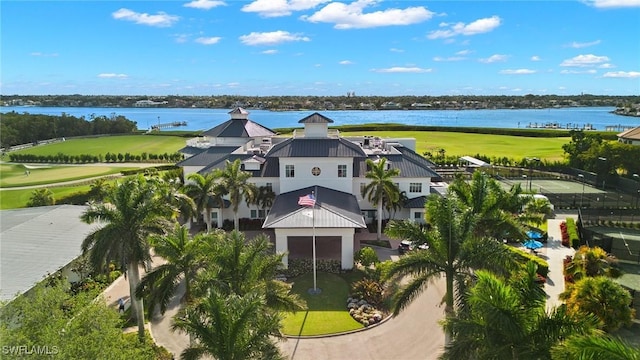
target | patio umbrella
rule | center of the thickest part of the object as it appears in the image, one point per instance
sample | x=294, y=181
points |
x=532, y=244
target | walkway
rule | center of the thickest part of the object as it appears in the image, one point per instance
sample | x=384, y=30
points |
x=554, y=252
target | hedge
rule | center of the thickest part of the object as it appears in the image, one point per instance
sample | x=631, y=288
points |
x=572, y=230
x=543, y=265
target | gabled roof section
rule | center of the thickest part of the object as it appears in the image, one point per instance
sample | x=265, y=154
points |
x=631, y=134
x=269, y=167
x=315, y=118
x=191, y=150
x=208, y=156
x=314, y=147
x=333, y=209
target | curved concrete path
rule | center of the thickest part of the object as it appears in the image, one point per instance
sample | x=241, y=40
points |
x=413, y=335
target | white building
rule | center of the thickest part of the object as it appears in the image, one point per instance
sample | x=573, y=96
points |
x=316, y=159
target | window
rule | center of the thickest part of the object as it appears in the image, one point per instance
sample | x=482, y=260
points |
x=254, y=214
x=269, y=186
x=362, y=186
x=289, y=171
x=262, y=214
x=342, y=170
x=315, y=171
x=415, y=187
x=417, y=215
x=214, y=215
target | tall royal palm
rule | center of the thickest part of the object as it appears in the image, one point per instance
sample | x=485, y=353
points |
x=453, y=252
x=235, y=183
x=381, y=187
x=205, y=192
x=495, y=207
x=132, y=212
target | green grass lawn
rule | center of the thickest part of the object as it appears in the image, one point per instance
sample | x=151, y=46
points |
x=14, y=199
x=133, y=144
x=327, y=312
x=13, y=175
x=462, y=144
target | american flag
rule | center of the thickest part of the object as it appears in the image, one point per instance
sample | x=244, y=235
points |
x=307, y=200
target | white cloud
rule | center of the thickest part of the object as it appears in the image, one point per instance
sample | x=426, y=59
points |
x=112, y=76
x=181, y=38
x=590, y=71
x=400, y=69
x=204, y=4
x=345, y=62
x=276, y=8
x=271, y=38
x=516, y=89
x=622, y=74
x=517, y=71
x=536, y=58
x=613, y=3
x=494, y=58
x=479, y=26
x=270, y=52
x=208, y=40
x=160, y=20
x=606, y=66
x=577, y=45
x=352, y=16
x=464, y=52
x=396, y=50
x=43, y=54
x=585, y=60
x=450, y=58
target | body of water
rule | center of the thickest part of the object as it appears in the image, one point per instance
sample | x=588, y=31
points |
x=203, y=119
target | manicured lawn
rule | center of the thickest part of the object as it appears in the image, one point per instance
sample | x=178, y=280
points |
x=14, y=199
x=461, y=144
x=133, y=144
x=13, y=175
x=327, y=312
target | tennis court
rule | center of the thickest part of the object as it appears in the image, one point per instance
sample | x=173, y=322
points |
x=549, y=186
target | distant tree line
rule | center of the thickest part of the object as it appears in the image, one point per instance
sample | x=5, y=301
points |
x=24, y=128
x=347, y=101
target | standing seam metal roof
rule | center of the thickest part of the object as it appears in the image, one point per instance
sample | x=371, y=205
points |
x=334, y=209
x=313, y=147
x=239, y=128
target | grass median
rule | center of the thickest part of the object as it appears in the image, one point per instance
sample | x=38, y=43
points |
x=17, y=175
x=326, y=312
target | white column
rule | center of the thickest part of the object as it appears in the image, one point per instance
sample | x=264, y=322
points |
x=282, y=247
x=347, y=250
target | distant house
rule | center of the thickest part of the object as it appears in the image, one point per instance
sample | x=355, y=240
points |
x=314, y=159
x=37, y=242
x=149, y=103
x=631, y=136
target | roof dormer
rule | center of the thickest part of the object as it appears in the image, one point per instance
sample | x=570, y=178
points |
x=316, y=126
x=239, y=114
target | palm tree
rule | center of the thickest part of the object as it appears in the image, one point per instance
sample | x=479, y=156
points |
x=230, y=327
x=41, y=197
x=133, y=212
x=495, y=207
x=185, y=256
x=508, y=320
x=537, y=210
x=99, y=189
x=265, y=197
x=590, y=262
x=235, y=183
x=595, y=347
x=238, y=266
x=205, y=192
x=453, y=252
x=381, y=187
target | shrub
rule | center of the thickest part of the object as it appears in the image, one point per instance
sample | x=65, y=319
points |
x=543, y=266
x=368, y=290
x=302, y=266
x=572, y=232
x=366, y=257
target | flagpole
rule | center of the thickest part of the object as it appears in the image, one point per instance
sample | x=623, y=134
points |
x=313, y=220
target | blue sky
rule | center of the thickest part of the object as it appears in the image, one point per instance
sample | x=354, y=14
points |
x=320, y=47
